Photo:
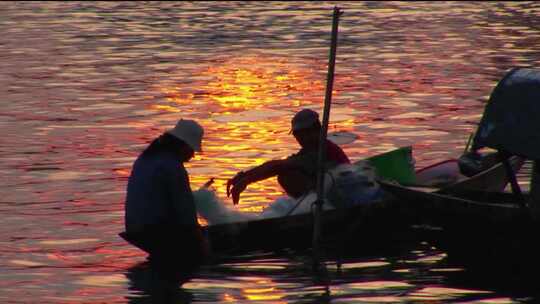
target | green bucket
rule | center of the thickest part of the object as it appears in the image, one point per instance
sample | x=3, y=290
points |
x=395, y=165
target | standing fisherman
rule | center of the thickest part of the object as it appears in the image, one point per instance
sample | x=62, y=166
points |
x=160, y=214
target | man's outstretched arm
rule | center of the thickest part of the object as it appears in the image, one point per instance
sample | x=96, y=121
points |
x=241, y=180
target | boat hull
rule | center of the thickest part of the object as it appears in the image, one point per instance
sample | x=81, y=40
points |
x=476, y=228
x=364, y=228
x=367, y=228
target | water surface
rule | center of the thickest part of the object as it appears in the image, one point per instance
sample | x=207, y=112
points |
x=86, y=85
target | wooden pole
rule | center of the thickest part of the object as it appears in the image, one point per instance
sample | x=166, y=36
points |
x=322, y=140
x=534, y=201
x=468, y=143
x=516, y=189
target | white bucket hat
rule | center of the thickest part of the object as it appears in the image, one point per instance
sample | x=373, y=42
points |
x=188, y=131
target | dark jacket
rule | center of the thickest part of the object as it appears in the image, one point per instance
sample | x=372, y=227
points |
x=159, y=194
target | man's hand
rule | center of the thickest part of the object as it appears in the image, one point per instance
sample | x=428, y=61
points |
x=208, y=183
x=238, y=188
x=233, y=181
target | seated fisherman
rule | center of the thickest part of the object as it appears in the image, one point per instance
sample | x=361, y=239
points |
x=160, y=214
x=297, y=174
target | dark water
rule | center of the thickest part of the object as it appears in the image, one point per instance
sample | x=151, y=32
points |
x=86, y=85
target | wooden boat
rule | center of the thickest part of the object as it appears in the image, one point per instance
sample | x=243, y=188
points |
x=477, y=228
x=489, y=228
x=444, y=206
x=340, y=226
x=380, y=226
x=428, y=200
x=437, y=195
x=375, y=227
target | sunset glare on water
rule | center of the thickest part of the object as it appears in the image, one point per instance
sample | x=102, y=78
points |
x=86, y=86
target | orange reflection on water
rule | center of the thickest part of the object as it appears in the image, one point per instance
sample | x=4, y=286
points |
x=263, y=293
x=166, y=108
x=229, y=298
x=435, y=293
x=260, y=289
x=245, y=105
x=376, y=285
x=249, y=82
x=265, y=298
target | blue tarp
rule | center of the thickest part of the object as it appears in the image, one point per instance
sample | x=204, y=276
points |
x=511, y=120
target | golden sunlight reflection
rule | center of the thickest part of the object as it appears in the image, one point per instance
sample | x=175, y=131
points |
x=26, y=263
x=209, y=284
x=251, y=288
x=229, y=298
x=248, y=82
x=257, y=266
x=250, y=100
x=265, y=297
x=441, y=293
x=103, y=280
x=368, y=299
x=67, y=242
x=446, y=269
x=431, y=259
x=246, y=104
x=376, y=285
x=265, y=290
x=492, y=301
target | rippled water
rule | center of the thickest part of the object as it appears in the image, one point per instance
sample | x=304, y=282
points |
x=86, y=85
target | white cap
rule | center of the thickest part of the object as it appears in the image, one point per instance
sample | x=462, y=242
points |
x=188, y=131
x=304, y=119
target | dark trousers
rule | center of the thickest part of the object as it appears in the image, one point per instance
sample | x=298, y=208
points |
x=174, y=251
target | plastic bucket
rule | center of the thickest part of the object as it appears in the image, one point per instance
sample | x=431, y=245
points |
x=395, y=165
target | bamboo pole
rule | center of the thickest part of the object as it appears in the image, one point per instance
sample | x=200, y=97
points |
x=322, y=140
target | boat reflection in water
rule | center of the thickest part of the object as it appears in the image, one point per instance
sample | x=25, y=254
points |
x=287, y=277
x=148, y=285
